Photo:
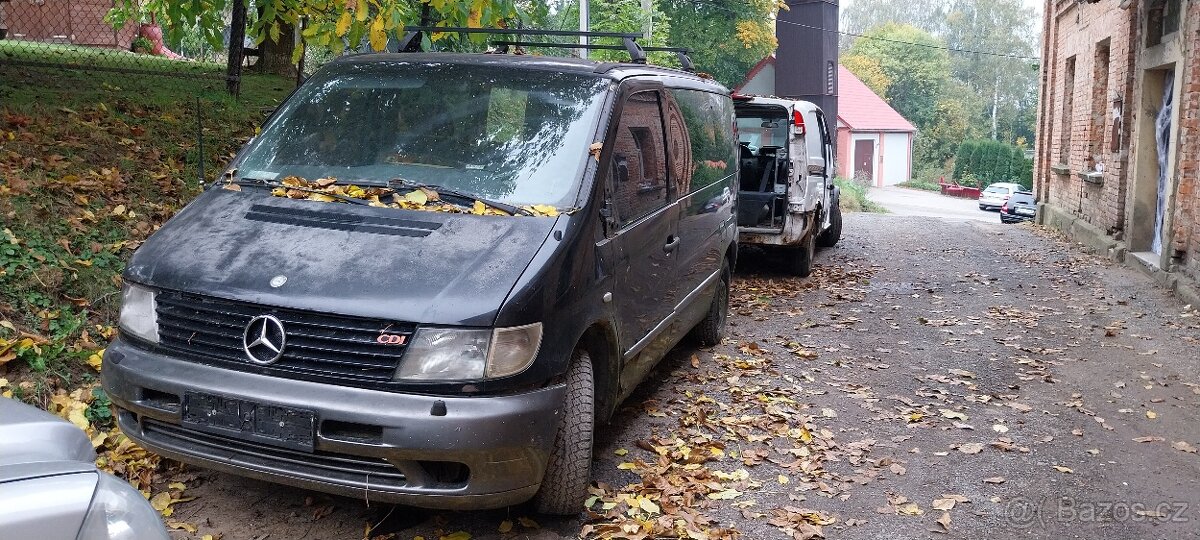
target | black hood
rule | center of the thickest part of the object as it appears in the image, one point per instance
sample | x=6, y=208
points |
x=401, y=265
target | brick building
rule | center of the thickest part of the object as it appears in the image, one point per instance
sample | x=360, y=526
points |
x=75, y=22
x=1118, y=132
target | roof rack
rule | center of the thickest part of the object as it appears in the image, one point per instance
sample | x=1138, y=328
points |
x=637, y=53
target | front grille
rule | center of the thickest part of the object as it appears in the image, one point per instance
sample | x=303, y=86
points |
x=344, y=469
x=317, y=344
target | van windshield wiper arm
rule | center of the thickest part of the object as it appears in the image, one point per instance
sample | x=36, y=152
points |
x=441, y=190
x=271, y=184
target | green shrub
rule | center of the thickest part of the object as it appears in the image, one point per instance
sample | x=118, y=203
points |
x=988, y=161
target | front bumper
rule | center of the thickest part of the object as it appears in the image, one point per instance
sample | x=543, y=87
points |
x=1015, y=218
x=483, y=452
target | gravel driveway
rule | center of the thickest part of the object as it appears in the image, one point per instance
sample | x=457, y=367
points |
x=934, y=378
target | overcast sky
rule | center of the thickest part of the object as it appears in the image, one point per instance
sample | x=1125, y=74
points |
x=1035, y=4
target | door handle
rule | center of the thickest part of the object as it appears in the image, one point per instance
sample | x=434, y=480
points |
x=672, y=243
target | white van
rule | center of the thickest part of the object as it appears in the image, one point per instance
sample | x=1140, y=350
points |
x=786, y=193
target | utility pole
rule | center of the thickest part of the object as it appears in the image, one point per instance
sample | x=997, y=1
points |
x=648, y=12
x=583, y=27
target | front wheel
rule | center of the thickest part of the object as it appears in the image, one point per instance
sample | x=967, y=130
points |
x=833, y=234
x=569, y=470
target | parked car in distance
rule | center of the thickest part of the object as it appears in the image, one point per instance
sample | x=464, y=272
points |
x=431, y=274
x=1022, y=206
x=50, y=488
x=996, y=194
x=786, y=196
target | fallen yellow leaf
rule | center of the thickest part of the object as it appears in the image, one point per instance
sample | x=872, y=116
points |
x=183, y=525
x=161, y=502
x=96, y=359
x=725, y=495
x=416, y=197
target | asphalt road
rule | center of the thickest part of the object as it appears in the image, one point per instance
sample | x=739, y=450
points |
x=914, y=202
x=928, y=363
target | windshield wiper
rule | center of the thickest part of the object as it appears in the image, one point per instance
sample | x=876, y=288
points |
x=441, y=190
x=267, y=183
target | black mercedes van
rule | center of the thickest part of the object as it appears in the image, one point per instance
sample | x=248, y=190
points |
x=431, y=274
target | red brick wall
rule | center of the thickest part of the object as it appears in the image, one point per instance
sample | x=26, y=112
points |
x=1075, y=32
x=1185, y=234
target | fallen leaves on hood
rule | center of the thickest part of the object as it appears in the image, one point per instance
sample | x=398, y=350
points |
x=329, y=190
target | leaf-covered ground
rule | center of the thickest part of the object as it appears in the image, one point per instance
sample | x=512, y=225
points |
x=933, y=379
x=90, y=165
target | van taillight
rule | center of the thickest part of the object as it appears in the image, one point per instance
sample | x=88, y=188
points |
x=798, y=122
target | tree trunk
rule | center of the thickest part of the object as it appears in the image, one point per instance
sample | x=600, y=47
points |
x=237, y=38
x=276, y=58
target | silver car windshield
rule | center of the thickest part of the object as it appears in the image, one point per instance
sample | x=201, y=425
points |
x=512, y=135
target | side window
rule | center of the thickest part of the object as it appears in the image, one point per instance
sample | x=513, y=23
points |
x=709, y=121
x=826, y=140
x=679, y=147
x=638, y=171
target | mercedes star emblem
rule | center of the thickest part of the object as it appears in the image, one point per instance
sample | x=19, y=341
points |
x=264, y=339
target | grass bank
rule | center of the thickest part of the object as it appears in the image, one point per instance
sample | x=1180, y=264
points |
x=90, y=165
x=854, y=197
x=921, y=185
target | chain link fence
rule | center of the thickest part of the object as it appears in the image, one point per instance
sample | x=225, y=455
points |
x=75, y=34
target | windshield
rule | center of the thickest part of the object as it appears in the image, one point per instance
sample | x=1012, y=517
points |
x=511, y=135
x=996, y=189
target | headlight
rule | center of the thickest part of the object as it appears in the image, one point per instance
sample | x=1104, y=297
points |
x=137, y=313
x=119, y=512
x=455, y=354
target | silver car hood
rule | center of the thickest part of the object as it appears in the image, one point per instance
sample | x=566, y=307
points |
x=30, y=436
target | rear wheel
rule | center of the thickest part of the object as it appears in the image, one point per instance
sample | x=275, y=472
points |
x=711, y=330
x=833, y=234
x=801, y=259
x=569, y=470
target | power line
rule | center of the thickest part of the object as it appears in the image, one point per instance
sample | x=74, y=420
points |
x=715, y=5
x=941, y=47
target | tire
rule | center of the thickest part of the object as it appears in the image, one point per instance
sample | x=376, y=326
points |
x=711, y=330
x=800, y=259
x=983, y=207
x=569, y=470
x=833, y=234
